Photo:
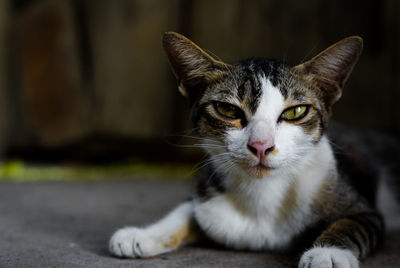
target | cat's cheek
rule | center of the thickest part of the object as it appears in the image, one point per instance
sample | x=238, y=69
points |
x=236, y=143
x=214, y=150
x=236, y=137
x=287, y=141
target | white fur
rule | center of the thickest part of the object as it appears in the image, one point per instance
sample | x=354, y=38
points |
x=271, y=103
x=150, y=241
x=328, y=257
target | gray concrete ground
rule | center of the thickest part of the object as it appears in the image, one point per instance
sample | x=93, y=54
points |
x=68, y=224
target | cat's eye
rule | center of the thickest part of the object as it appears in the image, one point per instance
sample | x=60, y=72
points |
x=295, y=113
x=228, y=110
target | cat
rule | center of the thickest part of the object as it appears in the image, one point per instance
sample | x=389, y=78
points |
x=273, y=180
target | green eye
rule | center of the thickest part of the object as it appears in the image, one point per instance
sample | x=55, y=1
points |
x=295, y=113
x=227, y=110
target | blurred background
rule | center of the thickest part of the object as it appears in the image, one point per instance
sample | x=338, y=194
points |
x=87, y=81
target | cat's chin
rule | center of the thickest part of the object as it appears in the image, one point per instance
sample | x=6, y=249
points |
x=259, y=171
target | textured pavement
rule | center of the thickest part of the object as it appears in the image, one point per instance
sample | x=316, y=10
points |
x=68, y=224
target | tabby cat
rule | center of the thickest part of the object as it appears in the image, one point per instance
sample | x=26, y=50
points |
x=273, y=181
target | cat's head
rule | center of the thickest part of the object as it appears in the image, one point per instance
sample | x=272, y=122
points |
x=260, y=115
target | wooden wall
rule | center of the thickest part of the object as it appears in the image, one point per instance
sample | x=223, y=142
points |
x=80, y=69
x=293, y=31
x=3, y=102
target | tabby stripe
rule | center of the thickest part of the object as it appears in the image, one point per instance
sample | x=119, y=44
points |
x=310, y=125
x=368, y=221
x=351, y=235
x=255, y=94
x=343, y=239
x=359, y=244
x=241, y=90
x=321, y=122
x=196, y=115
x=371, y=233
x=373, y=220
x=364, y=236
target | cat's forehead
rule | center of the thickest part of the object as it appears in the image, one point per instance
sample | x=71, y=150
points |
x=256, y=68
x=244, y=84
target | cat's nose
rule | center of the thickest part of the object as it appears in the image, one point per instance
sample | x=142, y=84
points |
x=260, y=148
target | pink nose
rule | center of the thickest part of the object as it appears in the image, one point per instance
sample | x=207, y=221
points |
x=260, y=148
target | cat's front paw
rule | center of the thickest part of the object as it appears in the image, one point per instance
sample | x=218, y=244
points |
x=328, y=257
x=133, y=242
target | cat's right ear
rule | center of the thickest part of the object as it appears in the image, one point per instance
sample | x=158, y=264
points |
x=192, y=66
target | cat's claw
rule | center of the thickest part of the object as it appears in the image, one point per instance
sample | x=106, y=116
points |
x=134, y=243
x=328, y=257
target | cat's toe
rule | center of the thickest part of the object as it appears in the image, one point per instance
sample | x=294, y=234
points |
x=126, y=243
x=328, y=257
x=132, y=242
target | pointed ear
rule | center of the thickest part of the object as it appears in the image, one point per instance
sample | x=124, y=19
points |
x=192, y=66
x=330, y=69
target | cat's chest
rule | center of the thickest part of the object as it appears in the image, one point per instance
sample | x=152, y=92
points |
x=225, y=223
x=271, y=225
x=262, y=214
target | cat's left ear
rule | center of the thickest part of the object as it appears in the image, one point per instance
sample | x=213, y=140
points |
x=330, y=69
x=193, y=67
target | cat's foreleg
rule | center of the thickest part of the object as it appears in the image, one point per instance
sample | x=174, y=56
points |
x=345, y=242
x=172, y=231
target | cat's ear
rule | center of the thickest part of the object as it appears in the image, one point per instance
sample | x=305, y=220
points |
x=192, y=66
x=330, y=69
